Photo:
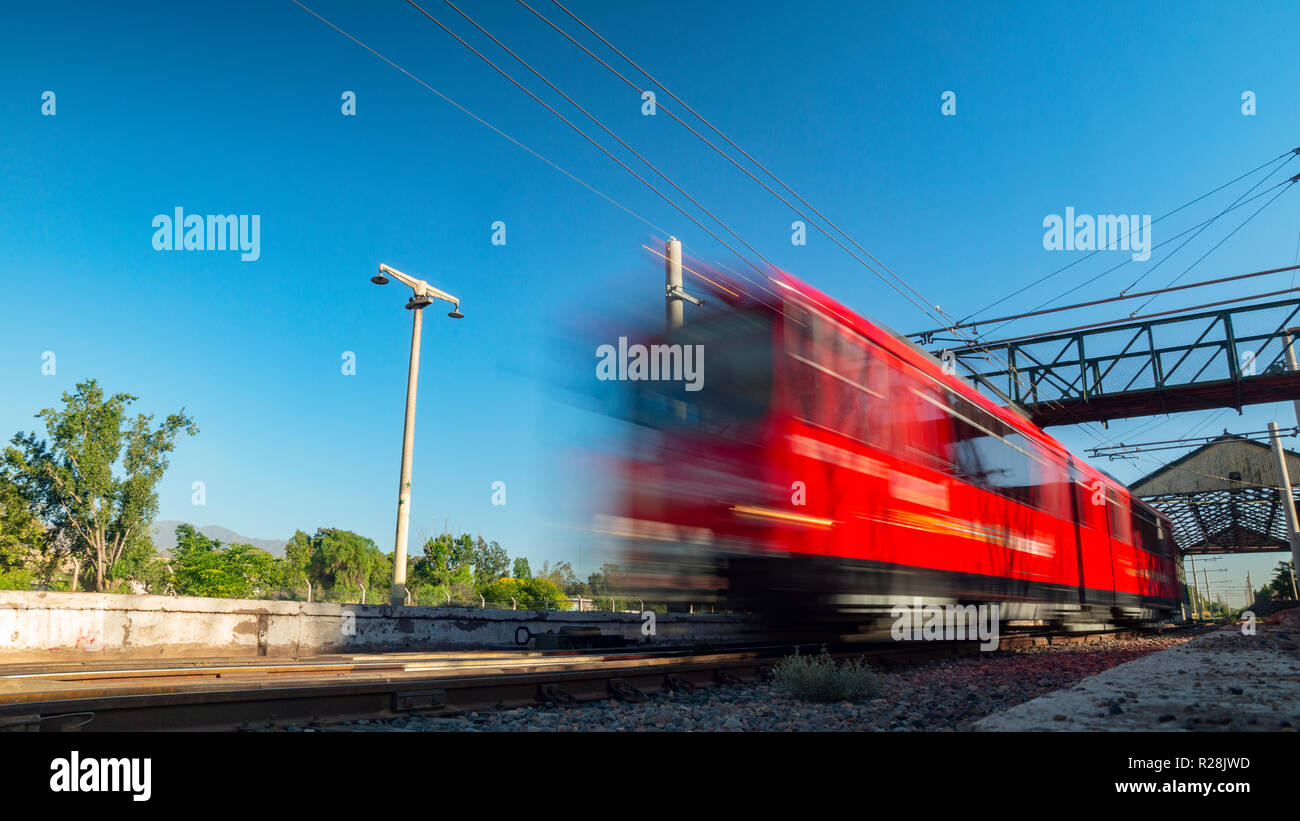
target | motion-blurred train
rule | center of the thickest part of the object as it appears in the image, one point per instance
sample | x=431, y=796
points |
x=827, y=468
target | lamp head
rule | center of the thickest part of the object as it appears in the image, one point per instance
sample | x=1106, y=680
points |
x=456, y=314
x=379, y=279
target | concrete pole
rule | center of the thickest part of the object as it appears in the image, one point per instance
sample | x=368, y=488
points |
x=1288, y=502
x=1205, y=574
x=398, y=597
x=1292, y=365
x=675, y=310
x=673, y=280
x=1196, y=591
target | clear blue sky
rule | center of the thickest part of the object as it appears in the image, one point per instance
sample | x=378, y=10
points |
x=235, y=109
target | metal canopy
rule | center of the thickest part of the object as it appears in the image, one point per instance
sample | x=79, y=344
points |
x=1225, y=358
x=1222, y=497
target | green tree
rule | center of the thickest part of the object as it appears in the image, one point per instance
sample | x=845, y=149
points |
x=521, y=569
x=1281, y=582
x=491, y=562
x=69, y=479
x=22, y=536
x=529, y=594
x=205, y=567
x=562, y=576
x=141, y=564
x=348, y=558
x=298, y=553
x=604, y=581
x=445, y=569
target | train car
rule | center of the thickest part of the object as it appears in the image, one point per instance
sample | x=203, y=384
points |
x=826, y=467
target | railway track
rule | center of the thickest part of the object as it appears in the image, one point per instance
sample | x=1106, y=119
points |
x=215, y=695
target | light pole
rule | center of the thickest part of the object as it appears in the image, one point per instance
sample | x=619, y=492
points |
x=423, y=294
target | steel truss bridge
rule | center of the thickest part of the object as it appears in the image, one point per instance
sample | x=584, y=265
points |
x=1230, y=357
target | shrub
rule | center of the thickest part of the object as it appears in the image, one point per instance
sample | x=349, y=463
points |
x=820, y=678
x=528, y=593
x=13, y=578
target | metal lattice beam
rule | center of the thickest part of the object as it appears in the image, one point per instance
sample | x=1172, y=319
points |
x=1225, y=358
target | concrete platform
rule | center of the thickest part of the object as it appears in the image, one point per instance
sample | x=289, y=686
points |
x=1223, y=681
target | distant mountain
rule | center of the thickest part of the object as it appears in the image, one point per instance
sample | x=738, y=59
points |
x=164, y=537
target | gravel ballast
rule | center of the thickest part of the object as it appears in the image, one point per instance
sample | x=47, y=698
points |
x=944, y=695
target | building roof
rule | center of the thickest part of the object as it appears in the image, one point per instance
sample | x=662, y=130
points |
x=1222, y=497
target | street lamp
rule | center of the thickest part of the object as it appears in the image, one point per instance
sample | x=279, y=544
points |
x=422, y=295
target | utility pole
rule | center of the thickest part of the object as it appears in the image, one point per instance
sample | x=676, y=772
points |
x=674, y=311
x=1196, y=592
x=673, y=292
x=422, y=295
x=1292, y=364
x=1288, y=501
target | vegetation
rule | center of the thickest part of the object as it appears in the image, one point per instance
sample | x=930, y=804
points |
x=820, y=678
x=206, y=567
x=77, y=503
x=528, y=594
x=68, y=480
x=1280, y=586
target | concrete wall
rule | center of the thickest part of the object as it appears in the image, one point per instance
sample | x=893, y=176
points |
x=86, y=626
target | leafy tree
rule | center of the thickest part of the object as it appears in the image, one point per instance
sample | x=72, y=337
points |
x=205, y=567
x=69, y=480
x=445, y=570
x=603, y=582
x=491, y=562
x=21, y=533
x=529, y=594
x=141, y=564
x=1281, y=582
x=341, y=558
x=298, y=553
x=521, y=569
x=562, y=576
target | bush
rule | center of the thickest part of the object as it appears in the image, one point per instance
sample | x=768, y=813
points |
x=820, y=678
x=15, y=579
x=529, y=594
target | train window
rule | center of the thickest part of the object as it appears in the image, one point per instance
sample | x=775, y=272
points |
x=839, y=381
x=1120, y=518
x=1083, y=496
x=799, y=346
x=737, y=385
x=992, y=454
x=1147, y=531
x=921, y=424
x=1053, y=487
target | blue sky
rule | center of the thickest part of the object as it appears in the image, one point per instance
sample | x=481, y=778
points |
x=235, y=109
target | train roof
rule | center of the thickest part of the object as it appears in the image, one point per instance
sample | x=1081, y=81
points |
x=921, y=359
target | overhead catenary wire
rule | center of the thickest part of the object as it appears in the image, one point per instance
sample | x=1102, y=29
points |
x=1130, y=260
x=1110, y=322
x=604, y=150
x=724, y=154
x=561, y=169
x=1096, y=251
x=1106, y=300
x=484, y=122
x=925, y=309
x=1217, y=245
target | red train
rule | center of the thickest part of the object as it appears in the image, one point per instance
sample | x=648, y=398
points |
x=826, y=466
